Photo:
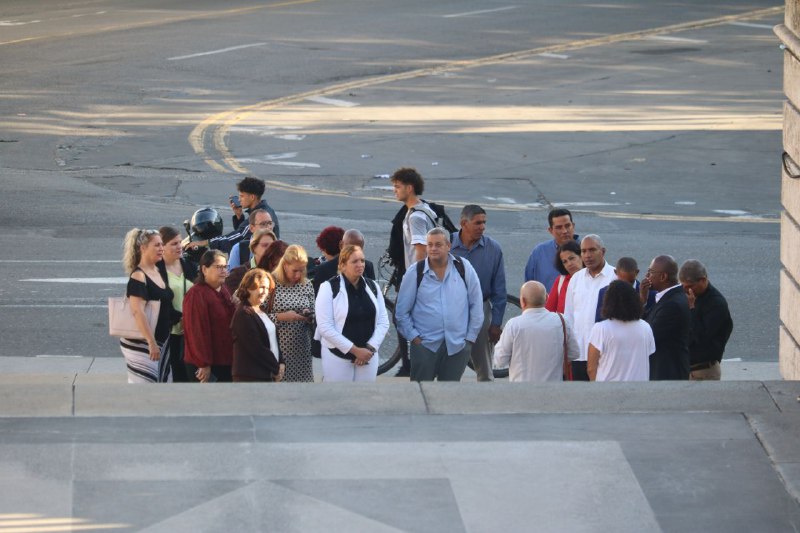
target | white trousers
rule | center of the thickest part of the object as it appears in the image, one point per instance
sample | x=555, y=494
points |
x=335, y=368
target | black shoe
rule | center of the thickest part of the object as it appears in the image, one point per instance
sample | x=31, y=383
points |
x=404, y=372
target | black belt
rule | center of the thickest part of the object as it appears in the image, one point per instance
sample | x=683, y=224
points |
x=705, y=365
x=338, y=353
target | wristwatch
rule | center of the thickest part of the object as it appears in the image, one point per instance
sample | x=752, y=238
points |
x=370, y=347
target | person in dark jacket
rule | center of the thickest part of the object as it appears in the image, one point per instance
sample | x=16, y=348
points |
x=250, y=192
x=207, y=314
x=330, y=268
x=256, y=356
x=711, y=321
x=669, y=318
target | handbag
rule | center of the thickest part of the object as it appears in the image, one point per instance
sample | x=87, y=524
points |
x=120, y=317
x=567, y=363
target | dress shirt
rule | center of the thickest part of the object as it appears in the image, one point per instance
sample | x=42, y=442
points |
x=440, y=310
x=486, y=257
x=581, y=303
x=660, y=294
x=536, y=341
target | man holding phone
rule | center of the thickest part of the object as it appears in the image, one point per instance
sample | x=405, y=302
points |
x=250, y=192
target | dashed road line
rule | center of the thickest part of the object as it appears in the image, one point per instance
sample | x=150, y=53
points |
x=331, y=101
x=751, y=25
x=213, y=52
x=554, y=56
x=480, y=12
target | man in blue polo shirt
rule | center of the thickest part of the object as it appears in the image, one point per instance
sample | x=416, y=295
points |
x=541, y=264
x=485, y=255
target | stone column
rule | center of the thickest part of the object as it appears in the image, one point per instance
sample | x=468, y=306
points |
x=789, y=33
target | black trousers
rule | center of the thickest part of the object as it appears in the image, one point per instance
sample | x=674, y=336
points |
x=579, y=371
x=176, y=359
x=221, y=373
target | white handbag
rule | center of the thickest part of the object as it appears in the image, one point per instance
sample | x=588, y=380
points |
x=120, y=317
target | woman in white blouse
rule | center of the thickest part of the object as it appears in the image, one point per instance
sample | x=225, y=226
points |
x=620, y=346
x=256, y=356
x=351, y=321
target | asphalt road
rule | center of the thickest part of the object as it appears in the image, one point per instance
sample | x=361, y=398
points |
x=114, y=114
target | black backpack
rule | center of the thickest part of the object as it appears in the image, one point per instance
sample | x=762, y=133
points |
x=457, y=262
x=336, y=283
x=441, y=219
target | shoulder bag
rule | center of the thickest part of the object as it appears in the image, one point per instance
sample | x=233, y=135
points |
x=120, y=317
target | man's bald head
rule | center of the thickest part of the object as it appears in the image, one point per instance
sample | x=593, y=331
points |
x=352, y=237
x=532, y=294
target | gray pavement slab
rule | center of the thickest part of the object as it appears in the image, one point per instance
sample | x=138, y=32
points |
x=52, y=396
x=630, y=472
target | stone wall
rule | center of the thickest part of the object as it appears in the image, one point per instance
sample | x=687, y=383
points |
x=789, y=33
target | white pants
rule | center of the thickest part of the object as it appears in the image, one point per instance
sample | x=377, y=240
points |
x=335, y=368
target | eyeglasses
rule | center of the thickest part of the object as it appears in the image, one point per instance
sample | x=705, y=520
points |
x=220, y=267
x=266, y=224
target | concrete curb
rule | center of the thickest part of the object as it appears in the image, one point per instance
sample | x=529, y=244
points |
x=83, y=395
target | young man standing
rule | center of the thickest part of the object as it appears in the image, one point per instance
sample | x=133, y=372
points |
x=251, y=191
x=410, y=226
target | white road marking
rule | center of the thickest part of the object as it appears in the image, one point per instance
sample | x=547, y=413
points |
x=686, y=202
x=734, y=212
x=290, y=164
x=60, y=261
x=46, y=356
x=554, y=56
x=751, y=25
x=331, y=101
x=675, y=39
x=96, y=281
x=17, y=23
x=221, y=51
x=583, y=204
x=481, y=12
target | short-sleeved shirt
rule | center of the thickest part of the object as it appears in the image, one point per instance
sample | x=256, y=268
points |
x=625, y=349
x=149, y=291
x=415, y=230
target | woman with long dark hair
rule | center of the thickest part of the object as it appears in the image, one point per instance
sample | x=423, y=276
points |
x=207, y=314
x=176, y=273
x=256, y=356
x=567, y=262
x=620, y=346
x=147, y=358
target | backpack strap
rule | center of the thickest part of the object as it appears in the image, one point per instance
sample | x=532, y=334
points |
x=457, y=262
x=336, y=285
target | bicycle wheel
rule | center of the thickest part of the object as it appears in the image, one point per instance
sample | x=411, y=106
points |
x=512, y=309
x=392, y=345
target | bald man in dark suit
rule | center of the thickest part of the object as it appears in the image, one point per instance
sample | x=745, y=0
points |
x=670, y=320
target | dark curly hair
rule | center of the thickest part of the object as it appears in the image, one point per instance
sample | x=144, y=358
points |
x=328, y=239
x=409, y=176
x=272, y=255
x=571, y=246
x=621, y=302
x=252, y=185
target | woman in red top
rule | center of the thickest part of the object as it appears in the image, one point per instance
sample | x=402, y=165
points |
x=568, y=261
x=207, y=314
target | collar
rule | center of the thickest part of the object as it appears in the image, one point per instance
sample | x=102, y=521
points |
x=603, y=271
x=456, y=241
x=659, y=295
x=534, y=310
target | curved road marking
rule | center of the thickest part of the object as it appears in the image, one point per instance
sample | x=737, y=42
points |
x=219, y=123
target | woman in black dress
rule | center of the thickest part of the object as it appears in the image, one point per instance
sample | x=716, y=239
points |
x=147, y=358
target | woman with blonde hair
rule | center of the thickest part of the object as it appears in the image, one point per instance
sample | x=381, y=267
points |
x=292, y=310
x=256, y=356
x=147, y=359
x=351, y=321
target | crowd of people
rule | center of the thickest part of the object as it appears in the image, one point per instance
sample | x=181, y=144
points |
x=256, y=308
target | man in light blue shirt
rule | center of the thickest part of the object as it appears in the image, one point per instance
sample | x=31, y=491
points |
x=486, y=257
x=440, y=309
x=541, y=265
